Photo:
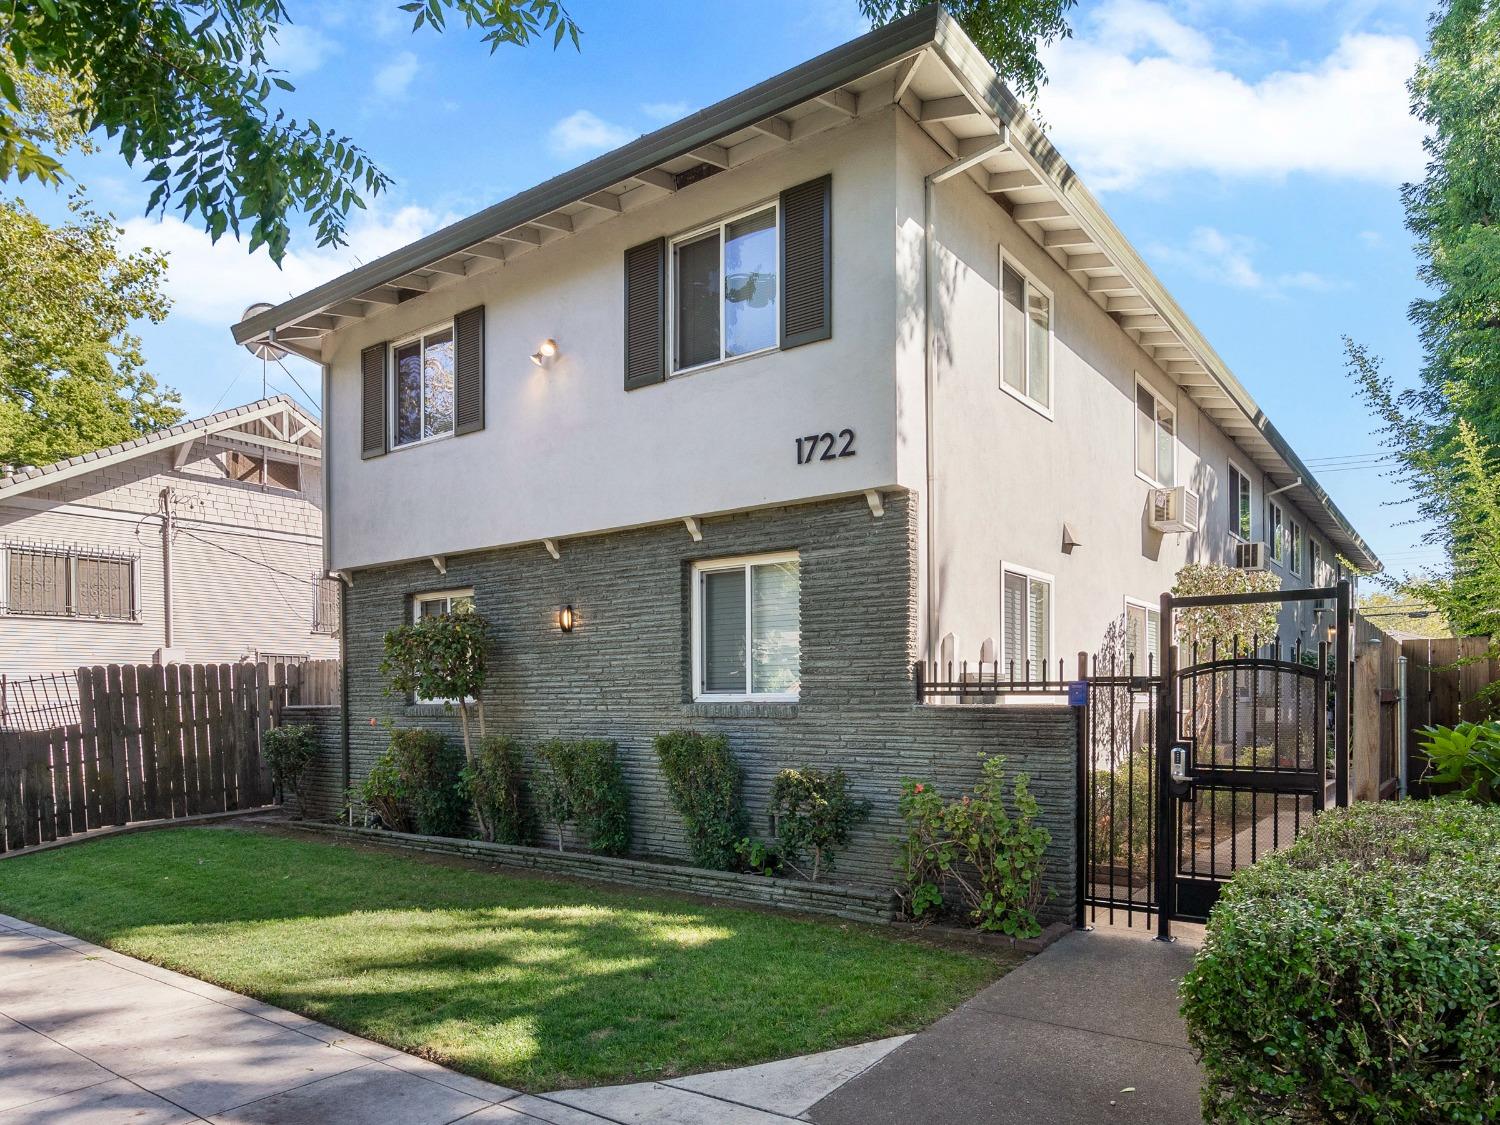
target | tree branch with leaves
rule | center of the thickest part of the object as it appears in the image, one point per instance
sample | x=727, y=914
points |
x=186, y=89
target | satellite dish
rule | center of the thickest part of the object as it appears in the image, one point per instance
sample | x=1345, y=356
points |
x=262, y=349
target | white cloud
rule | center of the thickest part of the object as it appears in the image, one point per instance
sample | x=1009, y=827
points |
x=214, y=282
x=1228, y=259
x=1374, y=239
x=585, y=132
x=1137, y=96
x=665, y=111
x=393, y=79
x=300, y=49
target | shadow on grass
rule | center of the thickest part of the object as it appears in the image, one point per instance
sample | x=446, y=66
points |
x=523, y=981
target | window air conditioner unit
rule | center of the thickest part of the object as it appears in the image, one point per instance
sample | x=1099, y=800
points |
x=1324, y=605
x=1252, y=556
x=1174, y=509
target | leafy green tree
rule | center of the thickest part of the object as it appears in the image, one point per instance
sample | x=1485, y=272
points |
x=72, y=377
x=185, y=89
x=1007, y=31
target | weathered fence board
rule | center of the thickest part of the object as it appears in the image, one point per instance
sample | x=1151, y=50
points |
x=151, y=742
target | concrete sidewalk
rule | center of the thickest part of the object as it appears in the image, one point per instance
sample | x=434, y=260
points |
x=1087, y=1031
x=93, y=1037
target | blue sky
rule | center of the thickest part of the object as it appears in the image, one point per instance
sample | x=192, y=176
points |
x=1253, y=150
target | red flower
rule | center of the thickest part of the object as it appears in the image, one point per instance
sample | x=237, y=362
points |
x=918, y=788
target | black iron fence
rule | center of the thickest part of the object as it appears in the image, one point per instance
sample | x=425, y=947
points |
x=38, y=702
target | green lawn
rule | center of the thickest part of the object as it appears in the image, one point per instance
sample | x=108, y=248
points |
x=528, y=982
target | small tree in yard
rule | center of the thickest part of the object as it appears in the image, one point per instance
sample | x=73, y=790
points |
x=1232, y=630
x=443, y=657
x=811, y=812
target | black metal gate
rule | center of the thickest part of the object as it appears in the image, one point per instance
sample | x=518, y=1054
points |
x=1188, y=775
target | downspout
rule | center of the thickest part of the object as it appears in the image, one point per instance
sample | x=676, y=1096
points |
x=1401, y=728
x=344, y=759
x=946, y=172
x=166, y=566
x=1284, y=488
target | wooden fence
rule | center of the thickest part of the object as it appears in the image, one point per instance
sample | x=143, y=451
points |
x=152, y=742
x=1446, y=683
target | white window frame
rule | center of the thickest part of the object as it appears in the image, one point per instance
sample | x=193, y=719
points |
x=1315, y=564
x=1030, y=576
x=1158, y=403
x=1276, y=531
x=1030, y=282
x=695, y=624
x=1234, y=505
x=719, y=224
x=1296, y=541
x=1149, y=662
x=419, y=600
x=393, y=375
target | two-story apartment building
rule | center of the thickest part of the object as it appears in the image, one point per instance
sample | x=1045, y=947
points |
x=843, y=372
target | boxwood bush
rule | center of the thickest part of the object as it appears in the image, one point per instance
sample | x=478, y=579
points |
x=1355, y=976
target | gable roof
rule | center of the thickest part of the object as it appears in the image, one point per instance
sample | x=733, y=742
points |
x=33, y=477
x=928, y=66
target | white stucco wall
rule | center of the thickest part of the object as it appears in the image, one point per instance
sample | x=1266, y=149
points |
x=1006, y=477
x=566, y=450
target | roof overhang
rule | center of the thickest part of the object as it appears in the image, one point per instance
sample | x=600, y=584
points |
x=928, y=66
x=290, y=430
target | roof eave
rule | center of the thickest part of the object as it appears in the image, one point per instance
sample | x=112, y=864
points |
x=827, y=72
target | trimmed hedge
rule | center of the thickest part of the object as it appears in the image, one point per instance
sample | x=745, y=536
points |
x=1355, y=976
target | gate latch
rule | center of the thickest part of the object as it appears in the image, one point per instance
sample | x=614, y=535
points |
x=1182, y=781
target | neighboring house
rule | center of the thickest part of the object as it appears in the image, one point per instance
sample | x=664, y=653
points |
x=201, y=542
x=844, y=372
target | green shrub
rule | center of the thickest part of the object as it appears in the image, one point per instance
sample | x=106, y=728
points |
x=1355, y=976
x=288, y=752
x=1467, y=757
x=811, y=812
x=975, y=849
x=496, y=782
x=415, y=785
x=581, y=782
x=703, y=782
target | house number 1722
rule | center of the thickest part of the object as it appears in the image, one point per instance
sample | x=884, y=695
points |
x=825, y=447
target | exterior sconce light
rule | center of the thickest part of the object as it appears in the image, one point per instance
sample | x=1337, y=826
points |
x=566, y=619
x=542, y=357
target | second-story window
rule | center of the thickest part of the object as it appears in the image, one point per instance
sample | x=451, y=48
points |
x=422, y=391
x=1296, y=547
x=1276, y=530
x=1025, y=338
x=1155, y=438
x=1239, y=503
x=726, y=290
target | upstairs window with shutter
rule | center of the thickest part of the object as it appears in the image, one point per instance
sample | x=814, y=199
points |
x=1155, y=437
x=424, y=387
x=1025, y=622
x=1239, y=503
x=726, y=290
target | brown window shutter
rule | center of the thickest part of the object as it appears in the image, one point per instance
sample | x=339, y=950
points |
x=468, y=370
x=807, y=263
x=372, y=405
x=645, y=314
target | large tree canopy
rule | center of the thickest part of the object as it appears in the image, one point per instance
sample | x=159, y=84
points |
x=1445, y=430
x=1008, y=32
x=72, y=377
x=185, y=89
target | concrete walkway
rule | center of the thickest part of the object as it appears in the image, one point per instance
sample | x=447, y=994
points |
x=1087, y=1031
x=93, y=1037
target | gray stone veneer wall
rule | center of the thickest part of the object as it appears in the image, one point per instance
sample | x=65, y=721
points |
x=624, y=673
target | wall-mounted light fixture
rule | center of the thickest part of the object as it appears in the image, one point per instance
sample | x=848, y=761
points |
x=566, y=619
x=544, y=353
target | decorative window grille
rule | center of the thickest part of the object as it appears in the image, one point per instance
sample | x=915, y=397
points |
x=51, y=580
x=325, y=605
